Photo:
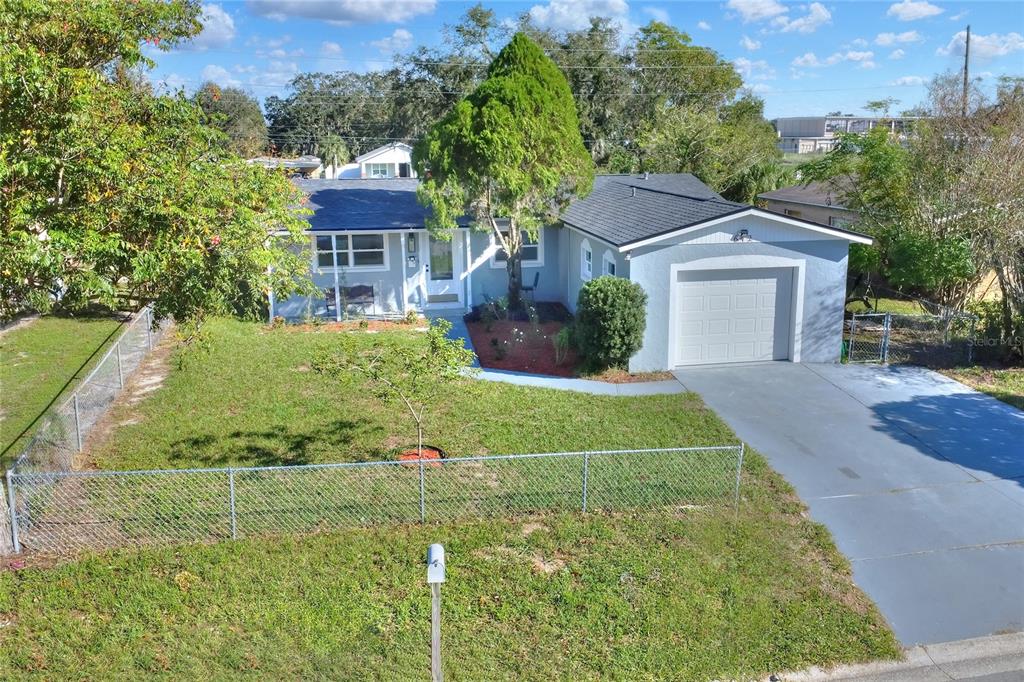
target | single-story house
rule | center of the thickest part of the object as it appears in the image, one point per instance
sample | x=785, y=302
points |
x=818, y=202
x=725, y=282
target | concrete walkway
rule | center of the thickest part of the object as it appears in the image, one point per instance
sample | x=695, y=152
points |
x=999, y=658
x=666, y=387
x=919, y=478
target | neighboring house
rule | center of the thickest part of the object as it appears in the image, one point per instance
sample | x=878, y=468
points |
x=726, y=282
x=818, y=134
x=818, y=202
x=390, y=161
x=307, y=166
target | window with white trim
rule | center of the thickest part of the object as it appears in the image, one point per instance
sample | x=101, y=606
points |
x=531, y=251
x=608, y=265
x=378, y=170
x=586, y=261
x=352, y=250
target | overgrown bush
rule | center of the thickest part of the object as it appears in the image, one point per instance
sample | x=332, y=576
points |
x=610, y=321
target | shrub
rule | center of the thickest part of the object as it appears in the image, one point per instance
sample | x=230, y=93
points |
x=563, y=341
x=610, y=321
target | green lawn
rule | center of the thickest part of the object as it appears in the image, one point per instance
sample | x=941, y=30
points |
x=261, y=405
x=665, y=594
x=41, y=361
x=1005, y=384
x=888, y=305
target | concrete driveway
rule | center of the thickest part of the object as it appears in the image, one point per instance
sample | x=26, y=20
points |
x=919, y=478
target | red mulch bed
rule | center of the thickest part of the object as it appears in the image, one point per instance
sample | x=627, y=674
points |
x=527, y=347
x=412, y=456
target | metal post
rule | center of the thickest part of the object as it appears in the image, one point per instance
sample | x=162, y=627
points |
x=586, y=476
x=423, y=499
x=853, y=335
x=120, y=371
x=231, y=488
x=13, y=512
x=435, y=633
x=970, y=341
x=78, y=423
x=886, y=329
x=739, y=474
x=149, y=327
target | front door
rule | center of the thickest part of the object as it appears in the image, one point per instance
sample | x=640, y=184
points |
x=443, y=271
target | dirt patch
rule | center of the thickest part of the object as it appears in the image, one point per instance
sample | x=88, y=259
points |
x=532, y=527
x=18, y=324
x=547, y=566
x=143, y=382
x=621, y=376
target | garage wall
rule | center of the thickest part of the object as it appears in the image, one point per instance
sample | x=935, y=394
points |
x=824, y=289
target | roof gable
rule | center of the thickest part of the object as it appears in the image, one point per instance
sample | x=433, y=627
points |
x=362, y=158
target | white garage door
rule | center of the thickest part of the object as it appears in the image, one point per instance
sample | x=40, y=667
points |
x=733, y=315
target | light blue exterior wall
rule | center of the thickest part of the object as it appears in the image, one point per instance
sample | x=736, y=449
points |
x=489, y=280
x=386, y=283
x=573, y=258
x=823, y=262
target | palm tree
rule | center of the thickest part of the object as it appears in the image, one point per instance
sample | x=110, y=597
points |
x=333, y=151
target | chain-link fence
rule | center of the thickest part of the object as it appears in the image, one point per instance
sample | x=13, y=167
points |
x=62, y=432
x=939, y=340
x=61, y=512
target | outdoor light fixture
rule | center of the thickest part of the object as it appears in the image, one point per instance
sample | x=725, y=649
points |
x=742, y=236
x=629, y=255
x=412, y=242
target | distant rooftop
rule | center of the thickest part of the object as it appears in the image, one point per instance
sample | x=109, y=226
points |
x=811, y=194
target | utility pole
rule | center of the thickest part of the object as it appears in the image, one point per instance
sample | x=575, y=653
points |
x=967, y=57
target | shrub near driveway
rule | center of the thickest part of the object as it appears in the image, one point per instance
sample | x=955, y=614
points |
x=610, y=321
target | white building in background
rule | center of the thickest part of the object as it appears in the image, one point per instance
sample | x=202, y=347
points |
x=390, y=161
x=818, y=134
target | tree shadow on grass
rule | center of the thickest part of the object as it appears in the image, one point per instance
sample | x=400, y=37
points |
x=273, y=447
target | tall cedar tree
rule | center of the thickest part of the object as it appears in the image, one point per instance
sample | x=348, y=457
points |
x=510, y=155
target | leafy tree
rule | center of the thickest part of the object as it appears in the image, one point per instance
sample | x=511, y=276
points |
x=510, y=151
x=108, y=190
x=333, y=151
x=412, y=375
x=237, y=115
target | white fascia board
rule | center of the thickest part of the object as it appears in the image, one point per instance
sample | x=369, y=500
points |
x=752, y=211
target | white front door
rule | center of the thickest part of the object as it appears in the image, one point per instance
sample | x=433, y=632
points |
x=442, y=262
x=733, y=316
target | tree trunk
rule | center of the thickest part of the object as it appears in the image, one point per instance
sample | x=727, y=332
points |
x=514, y=268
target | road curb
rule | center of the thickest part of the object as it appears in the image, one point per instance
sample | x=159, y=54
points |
x=960, y=660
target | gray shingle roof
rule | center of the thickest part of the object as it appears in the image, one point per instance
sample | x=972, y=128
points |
x=626, y=208
x=372, y=204
x=813, y=194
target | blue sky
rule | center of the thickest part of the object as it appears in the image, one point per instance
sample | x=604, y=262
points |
x=802, y=58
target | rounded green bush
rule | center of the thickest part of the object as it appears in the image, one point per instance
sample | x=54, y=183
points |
x=611, y=314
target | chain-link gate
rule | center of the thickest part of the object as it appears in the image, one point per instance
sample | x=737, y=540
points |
x=944, y=340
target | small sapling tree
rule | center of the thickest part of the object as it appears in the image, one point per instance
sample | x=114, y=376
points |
x=412, y=375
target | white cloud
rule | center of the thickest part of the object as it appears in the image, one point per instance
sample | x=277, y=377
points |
x=984, y=47
x=758, y=70
x=750, y=44
x=865, y=58
x=816, y=17
x=172, y=82
x=910, y=10
x=330, y=49
x=703, y=25
x=658, y=14
x=567, y=15
x=756, y=10
x=277, y=75
x=859, y=42
x=897, y=54
x=220, y=76
x=959, y=15
x=909, y=80
x=343, y=12
x=396, y=42
x=893, y=38
x=218, y=29
x=760, y=88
